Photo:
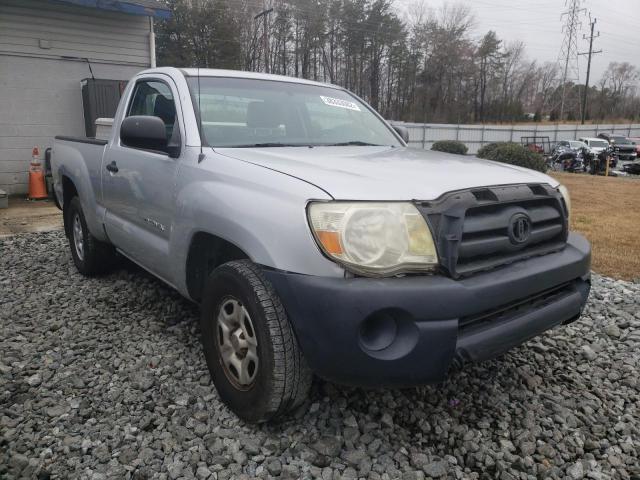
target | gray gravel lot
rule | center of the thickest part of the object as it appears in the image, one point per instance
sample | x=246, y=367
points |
x=105, y=378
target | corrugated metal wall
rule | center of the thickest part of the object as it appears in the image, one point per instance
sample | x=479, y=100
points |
x=422, y=135
x=40, y=94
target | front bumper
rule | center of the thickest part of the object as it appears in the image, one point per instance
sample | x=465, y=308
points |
x=409, y=330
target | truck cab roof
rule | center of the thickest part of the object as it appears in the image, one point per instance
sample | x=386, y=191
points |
x=215, y=72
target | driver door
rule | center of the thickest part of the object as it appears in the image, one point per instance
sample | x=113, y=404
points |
x=139, y=184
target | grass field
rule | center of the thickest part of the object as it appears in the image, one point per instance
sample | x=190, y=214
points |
x=607, y=211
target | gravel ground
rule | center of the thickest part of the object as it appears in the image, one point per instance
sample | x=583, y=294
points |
x=105, y=378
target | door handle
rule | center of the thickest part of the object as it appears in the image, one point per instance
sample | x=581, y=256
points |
x=112, y=167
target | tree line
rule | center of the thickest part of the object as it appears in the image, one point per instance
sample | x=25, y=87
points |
x=423, y=66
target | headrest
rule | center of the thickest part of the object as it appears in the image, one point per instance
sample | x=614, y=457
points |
x=165, y=109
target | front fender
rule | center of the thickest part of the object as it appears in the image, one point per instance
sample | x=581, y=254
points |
x=260, y=211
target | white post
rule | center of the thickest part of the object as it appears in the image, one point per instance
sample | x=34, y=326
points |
x=152, y=44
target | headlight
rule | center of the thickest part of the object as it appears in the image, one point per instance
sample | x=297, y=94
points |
x=567, y=199
x=373, y=238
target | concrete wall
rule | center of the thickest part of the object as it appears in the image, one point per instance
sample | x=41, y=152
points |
x=40, y=94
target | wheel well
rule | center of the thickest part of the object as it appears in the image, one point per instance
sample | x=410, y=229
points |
x=69, y=191
x=207, y=252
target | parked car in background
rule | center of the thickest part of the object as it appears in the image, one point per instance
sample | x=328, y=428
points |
x=568, y=155
x=623, y=147
x=632, y=168
x=636, y=141
x=576, y=146
x=596, y=145
x=572, y=144
x=313, y=238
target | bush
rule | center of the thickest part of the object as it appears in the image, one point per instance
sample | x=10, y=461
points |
x=488, y=150
x=514, y=154
x=450, y=146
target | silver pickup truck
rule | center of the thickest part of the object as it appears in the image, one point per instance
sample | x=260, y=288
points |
x=313, y=238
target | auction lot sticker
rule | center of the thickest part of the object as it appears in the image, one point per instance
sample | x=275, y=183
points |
x=337, y=102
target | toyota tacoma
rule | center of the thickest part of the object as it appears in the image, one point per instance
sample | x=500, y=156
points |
x=313, y=238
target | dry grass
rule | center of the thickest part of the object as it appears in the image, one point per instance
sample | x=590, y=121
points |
x=606, y=210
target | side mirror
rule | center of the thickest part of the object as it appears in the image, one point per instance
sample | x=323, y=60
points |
x=403, y=132
x=146, y=132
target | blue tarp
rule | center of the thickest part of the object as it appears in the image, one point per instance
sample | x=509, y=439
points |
x=149, y=8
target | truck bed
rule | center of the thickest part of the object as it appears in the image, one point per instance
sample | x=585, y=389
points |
x=92, y=141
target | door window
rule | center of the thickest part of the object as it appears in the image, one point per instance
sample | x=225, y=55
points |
x=154, y=98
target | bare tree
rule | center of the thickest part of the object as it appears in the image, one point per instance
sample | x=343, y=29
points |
x=423, y=67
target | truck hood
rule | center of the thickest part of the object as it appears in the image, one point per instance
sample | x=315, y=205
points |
x=385, y=173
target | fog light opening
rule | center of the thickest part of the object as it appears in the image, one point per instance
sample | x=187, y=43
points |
x=378, y=331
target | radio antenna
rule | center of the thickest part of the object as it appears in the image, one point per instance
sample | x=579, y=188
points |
x=201, y=156
x=90, y=69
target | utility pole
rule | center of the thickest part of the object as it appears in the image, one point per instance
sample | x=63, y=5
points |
x=590, y=53
x=569, y=50
x=265, y=36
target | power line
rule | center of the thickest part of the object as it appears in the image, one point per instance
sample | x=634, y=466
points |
x=590, y=53
x=265, y=35
x=569, y=49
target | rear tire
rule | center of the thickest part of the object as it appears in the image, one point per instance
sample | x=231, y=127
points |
x=244, y=325
x=90, y=255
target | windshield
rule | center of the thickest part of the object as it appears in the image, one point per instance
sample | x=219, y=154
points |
x=599, y=144
x=240, y=112
x=577, y=144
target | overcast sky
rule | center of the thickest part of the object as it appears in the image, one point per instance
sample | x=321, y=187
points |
x=539, y=26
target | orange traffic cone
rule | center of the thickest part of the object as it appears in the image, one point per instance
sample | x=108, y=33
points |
x=37, y=187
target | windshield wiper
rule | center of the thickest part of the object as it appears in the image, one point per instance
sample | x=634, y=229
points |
x=268, y=144
x=356, y=143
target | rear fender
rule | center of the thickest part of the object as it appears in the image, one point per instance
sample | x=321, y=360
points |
x=73, y=165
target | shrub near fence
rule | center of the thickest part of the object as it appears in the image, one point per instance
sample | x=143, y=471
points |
x=450, y=146
x=514, y=154
x=423, y=135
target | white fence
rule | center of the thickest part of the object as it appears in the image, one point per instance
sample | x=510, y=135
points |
x=422, y=135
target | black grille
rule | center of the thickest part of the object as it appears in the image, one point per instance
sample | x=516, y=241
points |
x=472, y=227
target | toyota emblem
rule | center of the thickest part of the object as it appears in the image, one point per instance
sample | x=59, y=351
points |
x=519, y=229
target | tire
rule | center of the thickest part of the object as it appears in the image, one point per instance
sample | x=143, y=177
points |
x=238, y=300
x=90, y=255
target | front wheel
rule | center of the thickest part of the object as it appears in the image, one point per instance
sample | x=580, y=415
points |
x=252, y=354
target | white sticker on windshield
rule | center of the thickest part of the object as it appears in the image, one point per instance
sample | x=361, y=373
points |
x=337, y=102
